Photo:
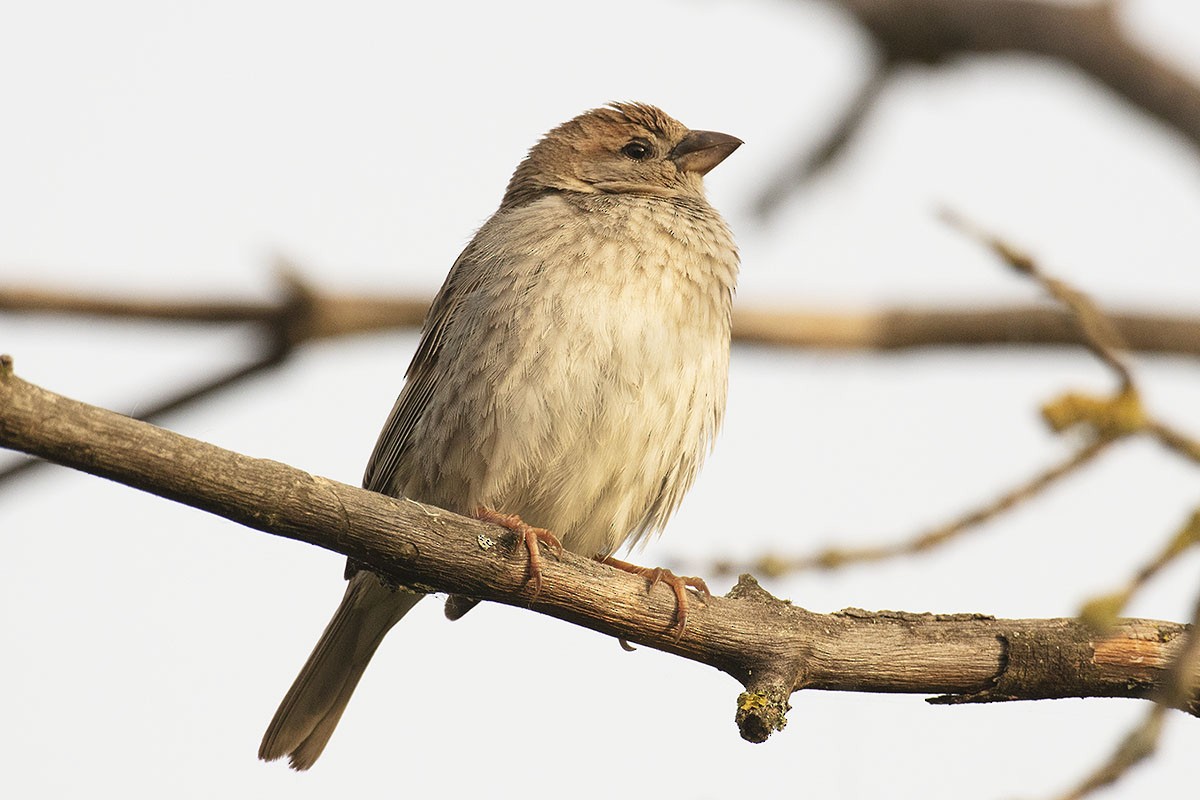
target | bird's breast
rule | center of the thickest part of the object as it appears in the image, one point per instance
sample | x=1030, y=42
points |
x=605, y=340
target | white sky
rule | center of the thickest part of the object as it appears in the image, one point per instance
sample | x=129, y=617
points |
x=154, y=148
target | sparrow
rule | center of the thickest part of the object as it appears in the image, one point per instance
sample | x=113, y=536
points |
x=569, y=381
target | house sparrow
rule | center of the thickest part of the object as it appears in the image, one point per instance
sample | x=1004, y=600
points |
x=571, y=375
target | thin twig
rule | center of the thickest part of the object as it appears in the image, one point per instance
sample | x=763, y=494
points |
x=1104, y=420
x=1109, y=418
x=1138, y=745
x=1103, y=611
x=1099, y=335
x=837, y=557
x=1168, y=437
x=812, y=161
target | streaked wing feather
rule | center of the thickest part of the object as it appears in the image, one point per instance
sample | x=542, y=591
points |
x=422, y=375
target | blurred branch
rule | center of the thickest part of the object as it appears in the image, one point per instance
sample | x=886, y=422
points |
x=770, y=646
x=811, y=161
x=775, y=566
x=1099, y=335
x=1103, y=611
x=912, y=328
x=322, y=315
x=1138, y=745
x=302, y=313
x=1089, y=37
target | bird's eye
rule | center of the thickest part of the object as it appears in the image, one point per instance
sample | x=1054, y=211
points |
x=638, y=150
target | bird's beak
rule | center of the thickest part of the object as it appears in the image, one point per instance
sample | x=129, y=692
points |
x=700, y=151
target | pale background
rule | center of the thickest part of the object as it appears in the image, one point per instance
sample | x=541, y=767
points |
x=172, y=149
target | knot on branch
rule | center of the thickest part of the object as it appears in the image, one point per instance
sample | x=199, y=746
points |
x=770, y=677
x=762, y=712
x=748, y=588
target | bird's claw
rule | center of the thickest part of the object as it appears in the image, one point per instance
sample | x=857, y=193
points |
x=533, y=539
x=679, y=584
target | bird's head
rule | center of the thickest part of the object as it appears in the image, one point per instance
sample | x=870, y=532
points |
x=623, y=148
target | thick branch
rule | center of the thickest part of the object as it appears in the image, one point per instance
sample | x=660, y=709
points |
x=1089, y=37
x=770, y=646
x=907, y=328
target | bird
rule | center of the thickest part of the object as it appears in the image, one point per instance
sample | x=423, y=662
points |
x=569, y=381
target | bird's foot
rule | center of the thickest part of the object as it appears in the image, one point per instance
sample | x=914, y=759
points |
x=678, y=583
x=532, y=537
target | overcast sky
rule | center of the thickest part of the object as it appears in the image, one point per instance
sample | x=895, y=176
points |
x=176, y=149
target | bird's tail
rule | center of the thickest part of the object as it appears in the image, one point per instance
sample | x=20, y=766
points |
x=312, y=707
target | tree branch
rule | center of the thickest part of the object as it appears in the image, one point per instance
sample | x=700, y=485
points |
x=812, y=161
x=836, y=557
x=311, y=313
x=302, y=310
x=1089, y=37
x=770, y=646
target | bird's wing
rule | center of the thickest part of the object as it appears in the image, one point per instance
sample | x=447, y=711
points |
x=422, y=374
